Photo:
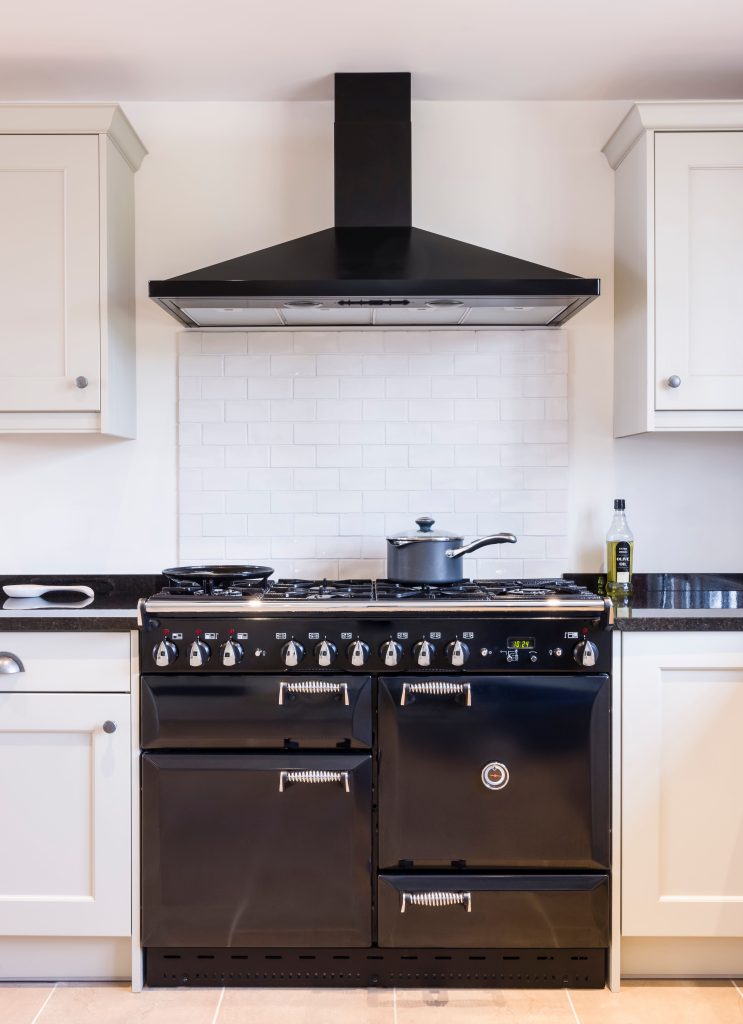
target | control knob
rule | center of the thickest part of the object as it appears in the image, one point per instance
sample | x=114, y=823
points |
x=358, y=653
x=457, y=653
x=232, y=653
x=586, y=653
x=326, y=653
x=198, y=654
x=423, y=653
x=390, y=652
x=292, y=653
x=164, y=653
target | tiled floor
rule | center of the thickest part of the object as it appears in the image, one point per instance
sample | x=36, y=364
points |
x=649, y=1002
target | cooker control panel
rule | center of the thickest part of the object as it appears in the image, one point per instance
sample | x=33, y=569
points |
x=301, y=644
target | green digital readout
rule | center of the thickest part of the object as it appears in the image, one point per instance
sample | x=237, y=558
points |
x=521, y=643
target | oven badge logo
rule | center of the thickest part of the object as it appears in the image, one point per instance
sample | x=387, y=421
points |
x=495, y=775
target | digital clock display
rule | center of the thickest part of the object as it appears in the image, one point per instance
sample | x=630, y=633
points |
x=521, y=643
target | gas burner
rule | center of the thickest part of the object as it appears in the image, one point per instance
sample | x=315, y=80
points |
x=319, y=590
x=388, y=590
x=530, y=589
x=213, y=589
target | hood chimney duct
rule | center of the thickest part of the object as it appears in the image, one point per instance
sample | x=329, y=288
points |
x=372, y=151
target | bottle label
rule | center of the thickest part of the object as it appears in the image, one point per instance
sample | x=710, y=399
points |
x=623, y=556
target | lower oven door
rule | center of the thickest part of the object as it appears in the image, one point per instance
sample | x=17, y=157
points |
x=256, y=850
x=494, y=772
x=474, y=911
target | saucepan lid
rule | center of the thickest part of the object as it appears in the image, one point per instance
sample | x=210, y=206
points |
x=426, y=532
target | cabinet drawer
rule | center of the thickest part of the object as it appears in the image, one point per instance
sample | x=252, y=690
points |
x=67, y=662
x=474, y=911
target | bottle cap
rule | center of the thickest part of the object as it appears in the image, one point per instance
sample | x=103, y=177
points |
x=619, y=504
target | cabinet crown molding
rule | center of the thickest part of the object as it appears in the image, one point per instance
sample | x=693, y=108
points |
x=672, y=116
x=75, y=119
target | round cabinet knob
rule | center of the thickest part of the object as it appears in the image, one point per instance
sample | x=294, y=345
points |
x=358, y=653
x=109, y=727
x=81, y=382
x=390, y=652
x=292, y=653
x=423, y=653
x=585, y=653
x=164, y=653
x=325, y=653
x=457, y=653
x=674, y=381
x=232, y=653
x=198, y=654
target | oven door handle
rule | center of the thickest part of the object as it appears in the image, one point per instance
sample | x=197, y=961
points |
x=437, y=688
x=288, y=778
x=436, y=899
x=313, y=686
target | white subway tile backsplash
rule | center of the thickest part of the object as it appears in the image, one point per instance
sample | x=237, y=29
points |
x=244, y=412
x=307, y=449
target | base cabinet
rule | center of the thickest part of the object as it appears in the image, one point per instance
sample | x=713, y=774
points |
x=682, y=801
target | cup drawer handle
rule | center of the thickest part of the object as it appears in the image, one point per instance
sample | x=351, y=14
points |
x=10, y=664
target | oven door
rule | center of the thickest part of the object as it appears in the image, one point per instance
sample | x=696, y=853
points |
x=256, y=850
x=256, y=711
x=494, y=772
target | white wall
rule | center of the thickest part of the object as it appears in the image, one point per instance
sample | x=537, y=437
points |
x=222, y=179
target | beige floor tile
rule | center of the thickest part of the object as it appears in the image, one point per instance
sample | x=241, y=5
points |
x=661, y=1002
x=483, y=1006
x=117, y=1004
x=307, y=1006
x=19, y=1004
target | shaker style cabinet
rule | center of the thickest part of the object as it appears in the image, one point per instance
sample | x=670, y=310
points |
x=682, y=804
x=678, y=361
x=65, y=785
x=67, y=269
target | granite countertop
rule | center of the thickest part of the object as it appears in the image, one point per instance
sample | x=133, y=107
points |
x=676, y=601
x=112, y=609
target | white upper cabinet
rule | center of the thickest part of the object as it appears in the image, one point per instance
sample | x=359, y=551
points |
x=67, y=269
x=678, y=341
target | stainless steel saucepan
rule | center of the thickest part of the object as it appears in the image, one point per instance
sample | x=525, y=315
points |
x=430, y=556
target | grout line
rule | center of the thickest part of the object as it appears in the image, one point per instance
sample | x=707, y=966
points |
x=394, y=1005
x=219, y=1005
x=572, y=1006
x=43, y=1005
x=736, y=987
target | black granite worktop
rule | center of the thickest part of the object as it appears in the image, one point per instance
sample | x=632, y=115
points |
x=676, y=601
x=113, y=607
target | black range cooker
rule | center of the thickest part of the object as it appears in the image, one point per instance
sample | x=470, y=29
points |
x=367, y=783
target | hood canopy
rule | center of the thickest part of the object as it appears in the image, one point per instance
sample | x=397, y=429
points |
x=373, y=268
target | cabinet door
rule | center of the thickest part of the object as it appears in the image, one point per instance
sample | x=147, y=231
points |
x=698, y=269
x=65, y=806
x=49, y=273
x=682, y=798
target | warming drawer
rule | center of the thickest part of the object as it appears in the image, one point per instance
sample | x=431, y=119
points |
x=256, y=850
x=517, y=911
x=256, y=711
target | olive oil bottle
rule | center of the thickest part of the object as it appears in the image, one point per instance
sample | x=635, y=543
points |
x=619, y=553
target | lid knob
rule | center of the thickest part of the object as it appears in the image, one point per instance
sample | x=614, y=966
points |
x=425, y=524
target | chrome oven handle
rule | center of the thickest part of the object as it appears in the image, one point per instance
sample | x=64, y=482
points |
x=313, y=686
x=437, y=688
x=436, y=899
x=287, y=778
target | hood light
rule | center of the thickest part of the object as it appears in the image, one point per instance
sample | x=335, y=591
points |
x=438, y=303
x=302, y=304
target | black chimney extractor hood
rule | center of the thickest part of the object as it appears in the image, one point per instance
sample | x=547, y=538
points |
x=373, y=268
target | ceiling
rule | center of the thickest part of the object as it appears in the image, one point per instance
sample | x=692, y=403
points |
x=286, y=49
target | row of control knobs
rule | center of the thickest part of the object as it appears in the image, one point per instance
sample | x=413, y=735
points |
x=232, y=653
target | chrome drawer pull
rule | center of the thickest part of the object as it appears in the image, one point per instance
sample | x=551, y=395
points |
x=286, y=778
x=436, y=899
x=313, y=686
x=437, y=688
x=10, y=664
